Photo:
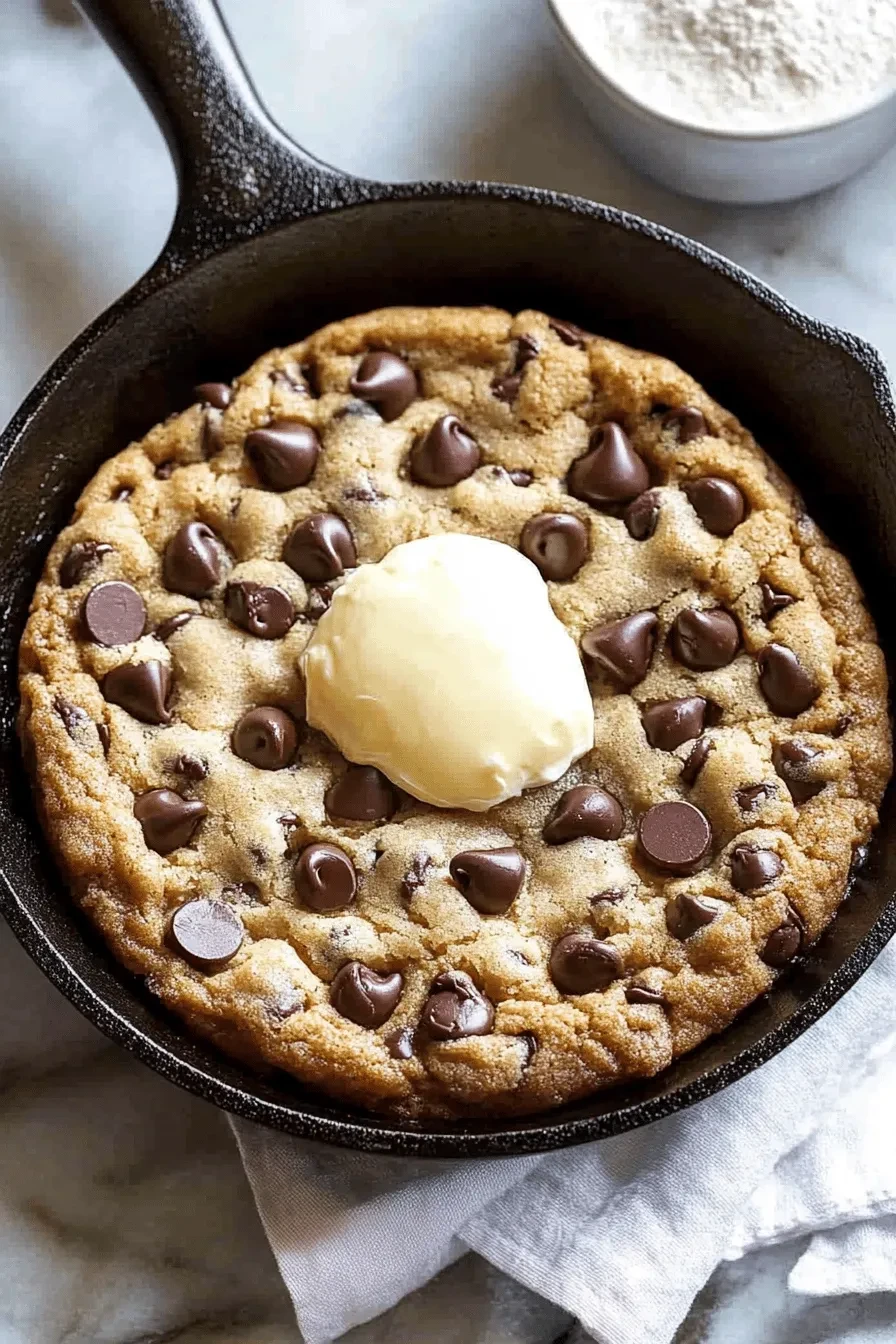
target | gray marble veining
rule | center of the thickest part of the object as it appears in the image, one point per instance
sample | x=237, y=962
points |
x=124, y=1214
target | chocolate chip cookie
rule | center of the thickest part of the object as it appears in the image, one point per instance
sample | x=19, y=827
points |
x=302, y=911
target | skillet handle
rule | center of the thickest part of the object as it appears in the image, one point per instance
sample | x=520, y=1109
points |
x=238, y=172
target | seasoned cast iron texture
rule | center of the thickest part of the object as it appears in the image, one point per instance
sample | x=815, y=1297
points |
x=266, y=246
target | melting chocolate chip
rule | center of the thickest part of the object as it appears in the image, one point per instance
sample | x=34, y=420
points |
x=687, y=423
x=165, y=629
x=386, y=381
x=207, y=932
x=325, y=878
x=695, y=762
x=557, y=543
x=415, y=877
x=719, y=504
x=520, y=477
x=642, y=515
x=752, y=867
x=584, y=810
x=266, y=737
x=785, y=683
x=704, y=640
x=361, y=794
x=81, y=559
x=319, y=600
x=363, y=995
x=456, y=1008
x=580, y=964
x=773, y=600
x=320, y=548
x=400, y=1043
x=623, y=649
x=140, y=688
x=784, y=942
x=192, y=561
x=216, y=395
x=793, y=761
x=611, y=472
x=506, y=386
x=445, y=454
x=284, y=453
x=73, y=716
x=569, y=333
x=675, y=837
x=168, y=820
x=191, y=767
x=266, y=612
x=644, y=994
x=749, y=795
x=490, y=879
x=114, y=613
x=672, y=722
x=687, y=914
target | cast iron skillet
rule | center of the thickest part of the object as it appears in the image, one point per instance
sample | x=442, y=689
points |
x=267, y=244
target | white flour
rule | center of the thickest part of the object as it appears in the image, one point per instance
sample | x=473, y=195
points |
x=742, y=64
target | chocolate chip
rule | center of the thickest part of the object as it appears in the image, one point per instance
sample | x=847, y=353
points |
x=140, y=688
x=719, y=504
x=361, y=794
x=325, y=878
x=695, y=762
x=704, y=640
x=672, y=722
x=520, y=477
x=207, y=932
x=386, y=381
x=104, y=734
x=529, y=1041
x=319, y=600
x=284, y=453
x=456, y=1008
x=749, y=795
x=363, y=995
x=490, y=879
x=569, y=333
x=642, y=515
x=415, y=877
x=675, y=837
x=785, y=683
x=623, y=649
x=212, y=433
x=192, y=561
x=843, y=724
x=445, y=454
x=580, y=964
x=611, y=472
x=752, y=867
x=773, y=600
x=527, y=348
x=191, y=767
x=611, y=897
x=644, y=994
x=73, y=716
x=557, y=543
x=168, y=820
x=165, y=629
x=320, y=548
x=687, y=914
x=784, y=942
x=686, y=421
x=82, y=557
x=583, y=810
x=266, y=737
x=121, y=494
x=266, y=612
x=217, y=395
x=792, y=761
x=114, y=613
x=400, y=1043
x=506, y=386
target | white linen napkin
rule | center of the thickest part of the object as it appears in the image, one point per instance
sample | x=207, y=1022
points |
x=622, y=1234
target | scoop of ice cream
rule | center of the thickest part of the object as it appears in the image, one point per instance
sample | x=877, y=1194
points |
x=445, y=666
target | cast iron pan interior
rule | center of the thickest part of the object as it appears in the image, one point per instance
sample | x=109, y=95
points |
x=267, y=245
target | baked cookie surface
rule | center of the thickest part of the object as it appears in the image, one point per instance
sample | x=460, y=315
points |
x=301, y=912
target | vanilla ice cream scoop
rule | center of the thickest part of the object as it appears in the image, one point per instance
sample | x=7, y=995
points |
x=445, y=666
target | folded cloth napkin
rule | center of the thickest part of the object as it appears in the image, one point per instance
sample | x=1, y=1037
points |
x=622, y=1234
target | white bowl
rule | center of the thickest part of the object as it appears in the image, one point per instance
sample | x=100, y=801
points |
x=748, y=168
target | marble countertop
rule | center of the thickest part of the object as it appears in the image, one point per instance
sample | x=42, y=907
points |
x=125, y=1217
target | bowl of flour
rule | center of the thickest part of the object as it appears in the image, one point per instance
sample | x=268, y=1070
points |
x=746, y=101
